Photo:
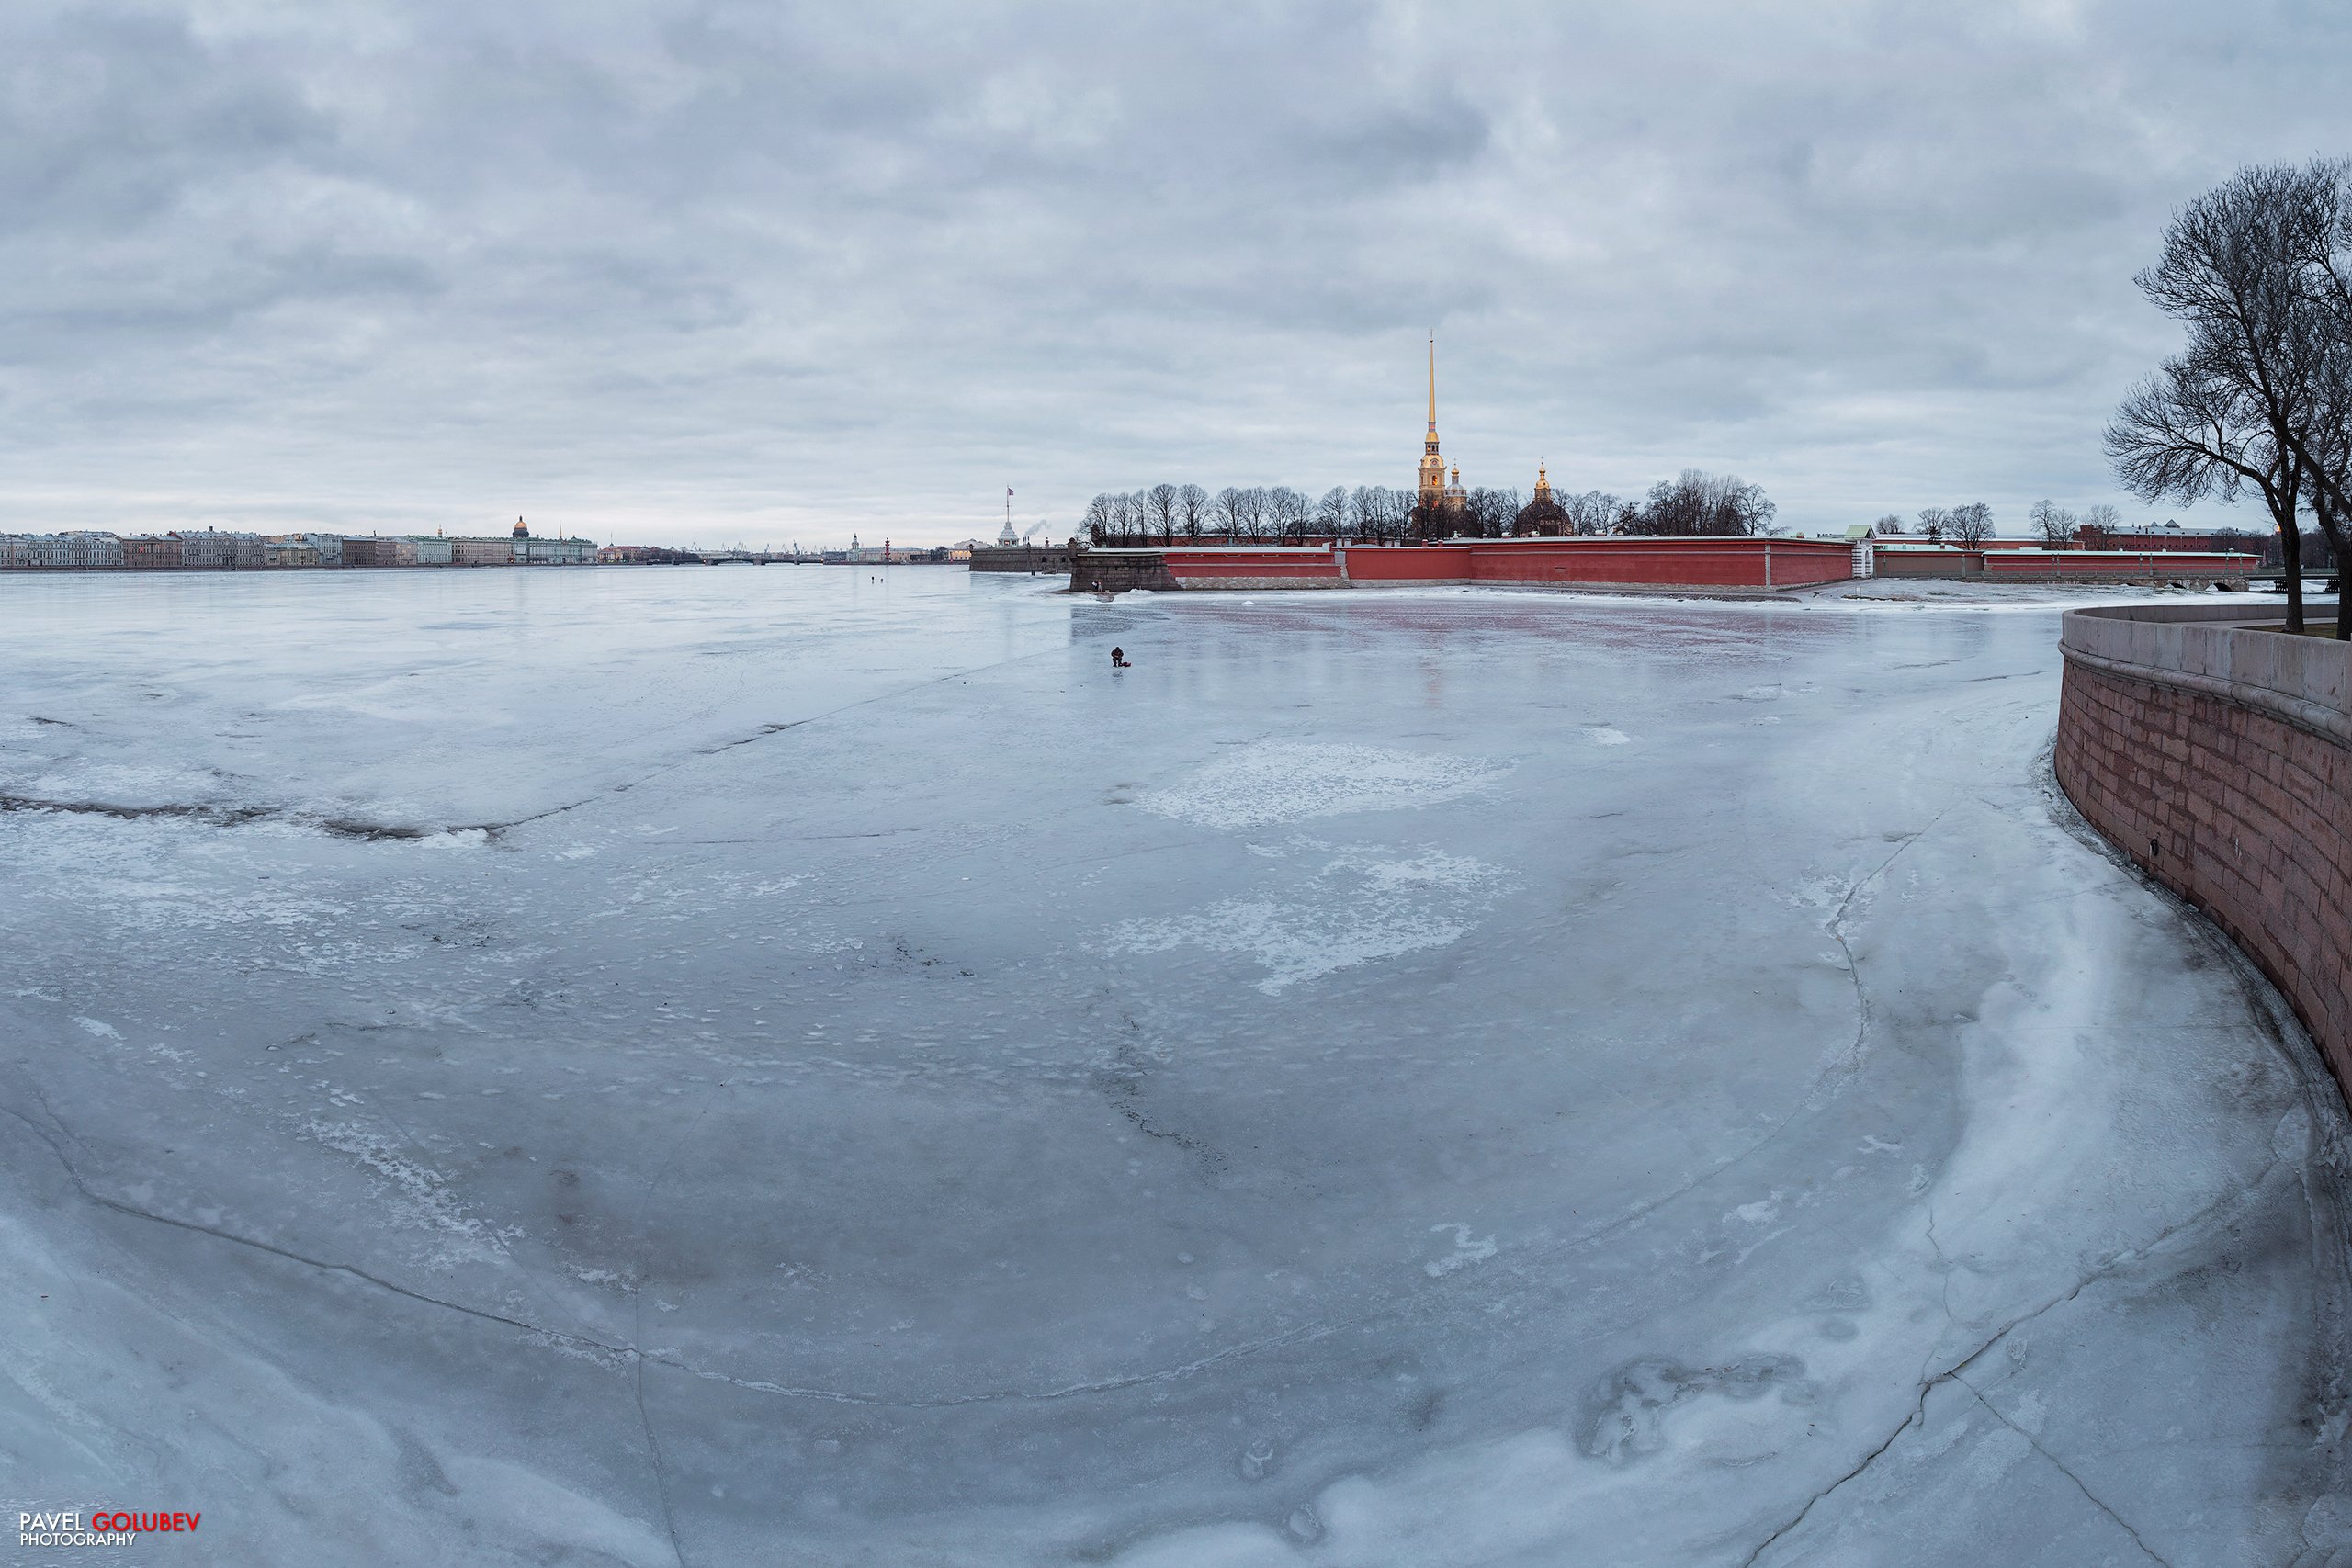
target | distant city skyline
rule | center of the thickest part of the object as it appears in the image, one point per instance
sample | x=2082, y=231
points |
x=670, y=272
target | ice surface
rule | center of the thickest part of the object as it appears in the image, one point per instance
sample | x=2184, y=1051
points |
x=780, y=1066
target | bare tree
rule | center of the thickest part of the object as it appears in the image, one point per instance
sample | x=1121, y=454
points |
x=1102, y=519
x=2099, y=525
x=1699, y=504
x=1594, y=512
x=1255, y=504
x=2234, y=410
x=1889, y=523
x=2187, y=433
x=1159, y=508
x=1331, y=511
x=1229, y=510
x=2053, y=523
x=1932, y=524
x=1192, y=510
x=1488, y=513
x=2320, y=232
x=1969, y=526
x=1288, y=511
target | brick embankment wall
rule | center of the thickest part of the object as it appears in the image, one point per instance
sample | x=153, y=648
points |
x=2221, y=760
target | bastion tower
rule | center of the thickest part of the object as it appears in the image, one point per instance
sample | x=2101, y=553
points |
x=1434, y=494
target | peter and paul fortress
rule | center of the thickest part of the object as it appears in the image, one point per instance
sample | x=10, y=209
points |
x=1439, y=497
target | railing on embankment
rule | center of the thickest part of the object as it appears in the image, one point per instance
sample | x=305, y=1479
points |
x=2220, y=759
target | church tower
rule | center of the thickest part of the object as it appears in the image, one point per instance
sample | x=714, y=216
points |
x=1429, y=494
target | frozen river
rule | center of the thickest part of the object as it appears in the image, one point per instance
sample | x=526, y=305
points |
x=790, y=1068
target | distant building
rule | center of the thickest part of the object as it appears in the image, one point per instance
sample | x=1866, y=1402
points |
x=1544, y=515
x=152, y=552
x=2173, y=537
x=214, y=550
x=78, y=551
x=375, y=550
x=289, y=551
x=433, y=550
x=521, y=547
x=554, y=552
x=482, y=552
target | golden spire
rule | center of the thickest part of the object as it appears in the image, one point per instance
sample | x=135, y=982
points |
x=1432, y=383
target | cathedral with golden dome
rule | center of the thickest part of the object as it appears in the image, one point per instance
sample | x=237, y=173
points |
x=1439, y=495
x=1442, y=504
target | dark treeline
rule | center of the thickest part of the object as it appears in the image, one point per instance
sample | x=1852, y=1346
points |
x=2259, y=271
x=1692, y=503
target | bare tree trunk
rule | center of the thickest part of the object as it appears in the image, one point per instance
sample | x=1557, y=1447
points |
x=2291, y=557
x=2332, y=524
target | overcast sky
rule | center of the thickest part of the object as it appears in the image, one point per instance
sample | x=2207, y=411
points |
x=656, y=269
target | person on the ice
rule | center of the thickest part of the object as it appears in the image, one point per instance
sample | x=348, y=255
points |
x=1119, y=660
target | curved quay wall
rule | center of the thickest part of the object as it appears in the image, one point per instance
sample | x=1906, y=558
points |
x=2220, y=759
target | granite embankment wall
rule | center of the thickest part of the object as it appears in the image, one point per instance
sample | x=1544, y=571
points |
x=2220, y=759
x=1053, y=559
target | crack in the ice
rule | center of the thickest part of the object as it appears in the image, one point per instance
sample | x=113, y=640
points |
x=1917, y=1416
x=609, y=1347
x=99, y=1199
x=1855, y=1053
x=1957, y=1370
x=2092, y=1497
x=1072, y=1390
x=760, y=734
x=1943, y=1272
x=352, y=827
x=637, y=1326
x=221, y=817
x=660, y=1480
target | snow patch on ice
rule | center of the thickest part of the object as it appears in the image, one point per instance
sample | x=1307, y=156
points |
x=1605, y=735
x=419, y=1195
x=1466, y=1251
x=1361, y=905
x=1281, y=781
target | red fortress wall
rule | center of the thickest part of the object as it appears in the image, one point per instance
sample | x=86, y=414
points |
x=1735, y=563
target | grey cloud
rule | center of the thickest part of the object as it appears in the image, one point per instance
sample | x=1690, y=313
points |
x=783, y=271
